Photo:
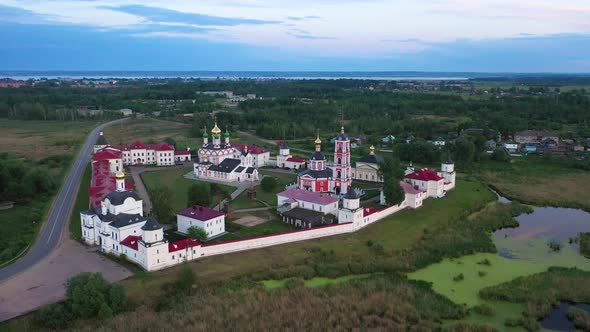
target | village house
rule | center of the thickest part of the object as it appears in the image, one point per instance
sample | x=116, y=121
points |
x=534, y=136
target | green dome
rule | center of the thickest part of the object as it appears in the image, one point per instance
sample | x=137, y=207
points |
x=205, y=134
x=226, y=134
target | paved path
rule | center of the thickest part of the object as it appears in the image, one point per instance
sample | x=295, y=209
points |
x=59, y=215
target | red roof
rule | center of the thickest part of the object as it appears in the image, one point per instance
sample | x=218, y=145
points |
x=106, y=154
x=296, y=160
x=137, y=145
x=164, y=147
x=308, y=196
x=424, y=174
x=102, y=183
x=202, y=213
x=181, y=152
x=182, y=244
x=409, y=189
x=253, y=149
x=131, y=242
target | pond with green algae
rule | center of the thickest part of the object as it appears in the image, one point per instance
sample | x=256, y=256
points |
x=522, y=251
x=314, y=282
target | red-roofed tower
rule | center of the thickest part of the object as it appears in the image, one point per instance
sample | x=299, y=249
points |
x=342, y=175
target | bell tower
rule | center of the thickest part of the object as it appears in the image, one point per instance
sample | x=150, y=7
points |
x=342, y=168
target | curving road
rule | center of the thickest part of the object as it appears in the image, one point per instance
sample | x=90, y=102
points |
x=59, y=214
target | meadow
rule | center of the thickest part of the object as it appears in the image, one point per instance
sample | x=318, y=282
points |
x=537, y=182
x=174, y=179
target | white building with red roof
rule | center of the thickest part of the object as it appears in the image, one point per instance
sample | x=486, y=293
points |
x=211, y=221
x=286, y=160
x=434, y=183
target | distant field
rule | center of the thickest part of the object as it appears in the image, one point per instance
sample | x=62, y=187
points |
x=539, y=183
x=147, y=130
x=36, y=140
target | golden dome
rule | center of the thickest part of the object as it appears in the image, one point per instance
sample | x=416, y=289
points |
x=215, y=130
x=318, y=140
x=372, y=148
x=120, y=175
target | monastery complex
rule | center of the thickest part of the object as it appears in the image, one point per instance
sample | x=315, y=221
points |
x=322, y=202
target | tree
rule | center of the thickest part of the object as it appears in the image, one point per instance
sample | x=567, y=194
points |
x=161, y=198
x=392, y=173
x=268, y=183
x=199, y=193
x=186, y=279
x=170, y=141
x=86, y=293
x=464, y=151
x=197, y=233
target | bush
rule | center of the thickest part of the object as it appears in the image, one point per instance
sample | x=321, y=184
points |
x=584, y=239
x=292, y=283
x=580, y=318
x=88, y=295
x=268, y=183
x=54, y=316
x=482, y=273
x=186, y=279
x=484, y=310
x=459, y=277
x=485, y=262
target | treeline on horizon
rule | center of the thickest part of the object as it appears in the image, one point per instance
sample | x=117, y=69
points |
x=293, y=109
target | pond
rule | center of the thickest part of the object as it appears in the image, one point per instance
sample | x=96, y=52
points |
x=522, y=251
x=558, y=321
x=530, y=241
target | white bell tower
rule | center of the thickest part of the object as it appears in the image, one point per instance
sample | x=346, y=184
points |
x=120, y=178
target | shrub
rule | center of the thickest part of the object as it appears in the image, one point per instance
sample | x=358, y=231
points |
x=54, y=316
x=485, y=262
x=484, y=310
x=584, y=239
x=580, y=318
x=482, y=273
x=459, y=277
x=512, y=322
x=292, y=283
x=186, y=279
x=268, y=183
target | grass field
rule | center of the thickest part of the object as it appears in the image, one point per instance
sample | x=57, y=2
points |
x=314, y=282
x=149, y=130
x=37, y=140
x=538, y=183
x=270, y=198
x=397, y=232
x=175, y=181
x=82, y=203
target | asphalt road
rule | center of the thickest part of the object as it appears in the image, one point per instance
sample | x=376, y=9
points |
x=59, y=214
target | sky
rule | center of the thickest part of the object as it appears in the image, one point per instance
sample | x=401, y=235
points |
x=301, y=35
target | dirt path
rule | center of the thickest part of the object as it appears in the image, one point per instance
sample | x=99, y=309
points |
x=44, y=283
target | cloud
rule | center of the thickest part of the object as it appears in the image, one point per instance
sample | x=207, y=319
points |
x=157, y=14
x=10, y=14
x=306, y=35
x=303, y=18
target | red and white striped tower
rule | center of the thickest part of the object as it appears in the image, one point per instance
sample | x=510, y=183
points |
x=342, y=175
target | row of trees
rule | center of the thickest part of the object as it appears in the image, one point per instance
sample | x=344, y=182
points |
x=23, y=181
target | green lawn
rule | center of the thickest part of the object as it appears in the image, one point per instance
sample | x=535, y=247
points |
x=82, y=203
x=243, y=202
x=174, y=179
x=19, y=226
x=314, y=282
x=240, y=232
